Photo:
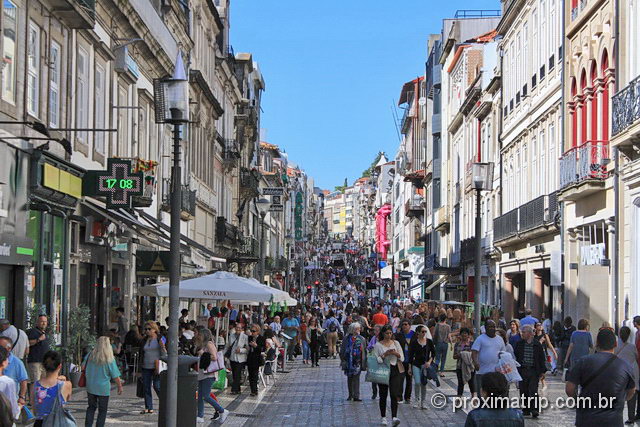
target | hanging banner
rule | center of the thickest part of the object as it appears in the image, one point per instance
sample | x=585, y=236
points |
x=298, y=216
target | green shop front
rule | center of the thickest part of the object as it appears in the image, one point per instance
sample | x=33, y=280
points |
x=55, y=189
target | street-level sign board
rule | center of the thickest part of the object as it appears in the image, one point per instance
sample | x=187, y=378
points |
x=276, y=200
x=276, y=208
x=118, y=184
x=273, y=191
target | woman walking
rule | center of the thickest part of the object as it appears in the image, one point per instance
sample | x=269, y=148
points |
x=237, y=350
x=581, y=343
x=314, y=332
x=549, y=350
x=513, y=334
x=462, y=360
x=442, y=341
x=151, y=351
x=100, y=368
x=256, y=345
x=204, y=344
x=421, y=354
x=389, y=351
x=49, y=387
x=354, y=360
x=306, y=349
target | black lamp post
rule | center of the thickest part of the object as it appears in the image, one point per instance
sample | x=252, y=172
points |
x=482, y=180
x=172, y=107
x=263, y=205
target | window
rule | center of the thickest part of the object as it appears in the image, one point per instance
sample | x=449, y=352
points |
x=543, y=33
x=54, y=85
x=9, y=50
x=534, y=164
x=543, y=164
x=525, y=55
x=525, y=191
x=33, y=70
x=534, y=43
x=553, y=158
x=143, y=123
x=99, y=98
x=82, y=95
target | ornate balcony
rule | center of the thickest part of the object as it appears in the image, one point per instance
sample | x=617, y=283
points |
x=536, y=217
x=250, y=182
x=188, y=208
x=413, y=207
x=76, y=14
x=625, y=118
x=583, y=169
x=249, y=249
x=227, y=235
x=231, y=151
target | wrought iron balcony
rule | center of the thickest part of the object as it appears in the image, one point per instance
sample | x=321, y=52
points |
x=406, y=117
x=250, y=248
x=413, y=207
x=280, y=264
x=539, y=212
x=231, y=151
x=584, y=162
x=226, y=234
x=188, y=205
x=625, y=107
x=506, y=225
x=76, y=14
x=250, y=182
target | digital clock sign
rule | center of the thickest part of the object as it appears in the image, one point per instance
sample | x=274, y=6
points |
x=118, y=184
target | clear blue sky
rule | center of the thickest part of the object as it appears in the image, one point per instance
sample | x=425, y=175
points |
x=333, y=70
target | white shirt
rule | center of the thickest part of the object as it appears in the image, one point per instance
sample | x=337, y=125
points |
x=21, y=344
x=276, y=327
x=488, y=349
x=8, y=388
x=239, y=342
x=380, y=349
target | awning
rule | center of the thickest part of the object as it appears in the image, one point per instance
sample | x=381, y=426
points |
x=438, y=282
x=162, y=227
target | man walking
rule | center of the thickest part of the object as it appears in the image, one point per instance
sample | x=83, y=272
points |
x=16, y=371
x=290, y=327
x=485, y=351
x=528, y=319
x=404, y=338
x=332, y=326
x=38, y=346
x=530, y=354
x=380, y=318
x=601, y=376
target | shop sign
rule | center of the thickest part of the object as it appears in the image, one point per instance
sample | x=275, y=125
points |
x=118, y=184
x=61, y=181
x=15, y=250
x=592, y=254
x=273, y=191
x=298, y=216
x=275, y=207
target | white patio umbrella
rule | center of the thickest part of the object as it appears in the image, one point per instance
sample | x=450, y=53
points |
x=279, y=296
x=221, y=285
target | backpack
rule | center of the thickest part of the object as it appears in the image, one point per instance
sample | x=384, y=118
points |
x=332, y=326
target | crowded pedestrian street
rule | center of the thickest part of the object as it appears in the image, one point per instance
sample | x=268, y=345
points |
x=338, y=213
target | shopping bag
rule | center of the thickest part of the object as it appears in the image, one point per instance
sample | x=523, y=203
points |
x=139, y=388
x=59, y=415
x=216, y=365
x=221, y=381
x=377, y=372
x=508, y=366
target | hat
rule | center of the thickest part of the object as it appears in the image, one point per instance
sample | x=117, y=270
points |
x=4, y=322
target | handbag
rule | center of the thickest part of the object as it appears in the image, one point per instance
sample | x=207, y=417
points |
x=216, y=365
x=160, y=366
x=82, y=382
x=139, y=388
x=59, y=415
x=377, y=372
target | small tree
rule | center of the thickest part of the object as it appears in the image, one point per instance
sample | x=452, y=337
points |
x=80, y=337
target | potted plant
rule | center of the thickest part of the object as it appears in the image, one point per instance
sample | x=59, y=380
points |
x=79, y=339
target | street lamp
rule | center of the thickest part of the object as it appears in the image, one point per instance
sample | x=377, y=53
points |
x=171, y=98
x=262, y=205
x=482, y=179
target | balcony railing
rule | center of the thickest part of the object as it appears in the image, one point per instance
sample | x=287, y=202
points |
x=250, y=247
x=231, y=150
x=413, y=207
x=406, y=118
x=585, y=162
x=625, y=107
x=506, y=226
x=188, y=207
x=226, y=234
x=538, y=212
x=250, y=182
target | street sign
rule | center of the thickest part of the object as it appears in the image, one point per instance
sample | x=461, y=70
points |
x=118, y=184
x=276, y=208
x=273, y=191
x=406, y=274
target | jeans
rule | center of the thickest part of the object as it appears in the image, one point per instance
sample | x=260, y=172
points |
x=306, y=351
x=441, y=355
x=353, y=384
x=408, y=387
x=204, y=395
x=290, y=346
x=96, y=402
x=315, y=353
x=461, y=383
x=149, y=379
x=236, y=374
x=384, y=390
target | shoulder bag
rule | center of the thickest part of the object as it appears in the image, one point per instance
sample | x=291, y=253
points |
x=377, y=372
x=603, y=368
x=59, y=415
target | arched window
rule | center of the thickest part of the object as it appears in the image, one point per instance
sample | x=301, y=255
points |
x=583, y=107
x=594, y=102
x=605, y=96
x=574, y=114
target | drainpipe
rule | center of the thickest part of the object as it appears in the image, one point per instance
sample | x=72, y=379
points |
x=616, y=184
x=560, y=298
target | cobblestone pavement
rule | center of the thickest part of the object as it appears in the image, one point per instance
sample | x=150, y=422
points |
x=309, y=396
